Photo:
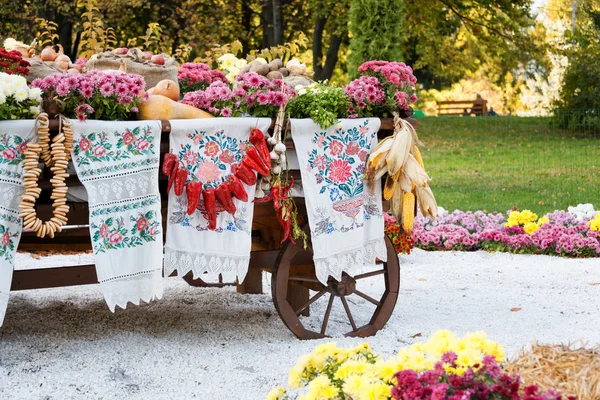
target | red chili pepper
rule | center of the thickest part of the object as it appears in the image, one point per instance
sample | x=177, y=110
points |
x=286, y=224
x=172, y=177
x=210, y=206
x=257, y=138
x=180, y=180
x=168, y=163
x=254, y=161
x=287, y=189
x=275, y=195
x=223, y=196
x=237, y=189
x=193, y=191
x=244, y=174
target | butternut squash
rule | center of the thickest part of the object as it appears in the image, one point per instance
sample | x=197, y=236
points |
x=167, y=88
x=163, y=108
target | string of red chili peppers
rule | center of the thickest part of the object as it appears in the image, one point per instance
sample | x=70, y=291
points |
x=257, y=159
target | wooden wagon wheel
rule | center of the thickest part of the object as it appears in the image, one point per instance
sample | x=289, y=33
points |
x=294, y=270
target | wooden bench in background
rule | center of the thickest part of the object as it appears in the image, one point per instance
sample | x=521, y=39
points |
x=476, y=107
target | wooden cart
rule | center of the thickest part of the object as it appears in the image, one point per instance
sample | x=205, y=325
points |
x=290, y=265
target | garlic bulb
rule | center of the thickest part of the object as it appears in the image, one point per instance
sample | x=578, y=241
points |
x=279, y=148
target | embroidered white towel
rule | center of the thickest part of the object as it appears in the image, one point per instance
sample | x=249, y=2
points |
x=346, y=220
x=208, y=148
x=117, y=162
x=14, y=136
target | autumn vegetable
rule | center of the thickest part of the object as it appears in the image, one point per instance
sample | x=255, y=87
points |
x=172, y=177
x=257, y=138
x=169, y=163
x=180, y=179
x=193, y=191
x=167, y=88
x=254, y=161
x=244, y=174
x=163, y=108
x=210, y=206
x=223, y=196
x=48, y=54
x=237, y=189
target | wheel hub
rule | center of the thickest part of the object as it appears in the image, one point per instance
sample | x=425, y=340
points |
x=343, y=288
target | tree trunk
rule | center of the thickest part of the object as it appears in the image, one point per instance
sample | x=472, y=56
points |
x=277, y=22
x=75, y=50
x=318, y=44
x=267, y=24
x=332, y=58
x=65, y=35
x=246, y=26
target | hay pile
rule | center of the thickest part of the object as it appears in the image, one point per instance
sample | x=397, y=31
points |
x=570, y=370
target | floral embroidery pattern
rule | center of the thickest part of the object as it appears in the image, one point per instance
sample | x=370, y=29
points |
x=97, y=146
x=112, y=233
x=6, y=173
x=7, y=245
x=210, y=157
x=337, y=163
x=236, y=222
x=119, y=167
x=125, y=207
x=12, y=149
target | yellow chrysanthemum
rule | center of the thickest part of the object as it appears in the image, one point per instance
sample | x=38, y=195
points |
x=543, y=220
x=353, y=385
x=276, y=393
x=595, y=223
x=375, y=391
x=322, y=389
x=531, y=227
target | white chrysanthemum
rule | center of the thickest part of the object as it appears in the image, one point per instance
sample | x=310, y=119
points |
x=301, y=92
x=227, y=56
x=10, y=44
x=262, y=60
x=2, y=98
x=35, y=94
x=21, y=95
x=240, y=63
x=230, y=77
x=35, y=110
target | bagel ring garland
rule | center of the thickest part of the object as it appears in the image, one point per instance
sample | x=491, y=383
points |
x=57, y=158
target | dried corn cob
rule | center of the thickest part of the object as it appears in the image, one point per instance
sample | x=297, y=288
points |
x=408, y=211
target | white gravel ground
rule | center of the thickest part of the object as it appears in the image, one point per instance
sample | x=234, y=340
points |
x=216, y=344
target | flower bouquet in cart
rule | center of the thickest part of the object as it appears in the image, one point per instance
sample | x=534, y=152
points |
x=386, y=88
x=96, y=94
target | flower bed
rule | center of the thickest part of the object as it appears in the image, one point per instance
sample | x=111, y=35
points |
x=445, y=367
x=557, y=233
x=573, y=233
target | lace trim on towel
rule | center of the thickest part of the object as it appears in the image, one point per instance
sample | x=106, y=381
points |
x=199, y=263
x=146, y=286
x=3, y=305
x=122, y=187
x=351, y=262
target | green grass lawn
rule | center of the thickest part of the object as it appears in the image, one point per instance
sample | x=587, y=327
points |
x=496, y=163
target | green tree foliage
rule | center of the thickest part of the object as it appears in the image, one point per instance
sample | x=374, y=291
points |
x=378, y=28
x=581, y=87
x=447, y=39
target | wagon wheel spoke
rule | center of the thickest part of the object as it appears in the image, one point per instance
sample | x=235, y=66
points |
x=303, y=279
x=366, y=297
x=348, y=313
x=369, y=274
x=311, y=300
x=327, y=312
